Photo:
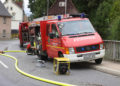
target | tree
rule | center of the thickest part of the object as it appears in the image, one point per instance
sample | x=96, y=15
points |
x=115, y=21
x=39, y=7
x=115, y=11
x=115, y=29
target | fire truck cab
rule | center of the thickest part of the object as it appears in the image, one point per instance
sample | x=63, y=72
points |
x=73, y=38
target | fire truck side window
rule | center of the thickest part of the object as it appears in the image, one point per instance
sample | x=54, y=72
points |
x=54, y=30
x=47, y=29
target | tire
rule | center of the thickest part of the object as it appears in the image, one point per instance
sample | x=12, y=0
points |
x=98, y=61
x=60, y=55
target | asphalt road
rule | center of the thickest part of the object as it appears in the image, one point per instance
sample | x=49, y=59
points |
x=81, y=74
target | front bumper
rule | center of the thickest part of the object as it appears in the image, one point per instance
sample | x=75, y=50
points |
x=80, y=56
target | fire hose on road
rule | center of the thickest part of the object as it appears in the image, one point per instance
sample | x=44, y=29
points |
x=29, y=75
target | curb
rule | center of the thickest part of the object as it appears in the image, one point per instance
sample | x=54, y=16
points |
x=107, y=70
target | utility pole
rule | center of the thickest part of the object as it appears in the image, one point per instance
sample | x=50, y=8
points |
x=65, y=7
x=48, y=6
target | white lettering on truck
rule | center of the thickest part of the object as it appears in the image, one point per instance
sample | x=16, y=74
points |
x=86, y=38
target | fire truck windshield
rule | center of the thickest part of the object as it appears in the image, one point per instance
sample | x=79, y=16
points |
x=76, y=27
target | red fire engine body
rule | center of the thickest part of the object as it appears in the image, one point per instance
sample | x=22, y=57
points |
x=23, y=33
x=73, y=38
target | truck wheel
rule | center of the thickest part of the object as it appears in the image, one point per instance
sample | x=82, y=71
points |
x=98, y=61
x=60, y=55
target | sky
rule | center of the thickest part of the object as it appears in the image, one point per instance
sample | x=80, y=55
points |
x=26, y=9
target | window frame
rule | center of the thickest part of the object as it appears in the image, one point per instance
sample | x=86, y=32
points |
x=56, y=30
x=11, y=8
x=4, y=33
x=4, y=20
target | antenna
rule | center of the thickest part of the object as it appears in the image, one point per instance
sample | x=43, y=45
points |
x=65, y=7
x=48, y=2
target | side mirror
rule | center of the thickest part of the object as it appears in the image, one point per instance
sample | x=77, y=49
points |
x=52, y=35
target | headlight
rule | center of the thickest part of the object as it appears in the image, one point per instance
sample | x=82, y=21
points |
x=71, y=51
x=101, y=46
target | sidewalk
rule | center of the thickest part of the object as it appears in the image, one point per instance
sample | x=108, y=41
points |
x=109, y=67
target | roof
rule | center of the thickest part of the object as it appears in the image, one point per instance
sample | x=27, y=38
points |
x=3, y=10
x=20, y=4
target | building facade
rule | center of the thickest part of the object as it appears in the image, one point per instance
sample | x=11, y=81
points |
x=61, y=7
x=15, y=8
x=5, y=23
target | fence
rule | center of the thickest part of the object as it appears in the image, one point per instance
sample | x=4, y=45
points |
x=112, y=50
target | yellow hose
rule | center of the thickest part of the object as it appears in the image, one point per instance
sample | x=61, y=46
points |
x=32, y=76
x=15, y=51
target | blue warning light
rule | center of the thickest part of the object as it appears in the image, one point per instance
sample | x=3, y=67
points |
x=83, y=49
x=93, y=47
x=82, y=15
x=59, y=18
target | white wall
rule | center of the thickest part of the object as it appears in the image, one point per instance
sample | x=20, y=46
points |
x=15, y=25
x=18, y=14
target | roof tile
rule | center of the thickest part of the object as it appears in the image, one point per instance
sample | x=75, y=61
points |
x=3, y=10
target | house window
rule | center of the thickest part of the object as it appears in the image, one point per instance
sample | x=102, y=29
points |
x=4, y=20
x=11, y=8
x=13, y=15
x=4, y=33
x=61, y=4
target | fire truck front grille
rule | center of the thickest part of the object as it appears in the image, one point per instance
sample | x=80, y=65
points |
x=87, y=48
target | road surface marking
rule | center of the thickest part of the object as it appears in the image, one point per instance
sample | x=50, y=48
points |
x=4, y=65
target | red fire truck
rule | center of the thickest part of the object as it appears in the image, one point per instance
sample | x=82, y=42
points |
x=74, y=38
x=23, y=33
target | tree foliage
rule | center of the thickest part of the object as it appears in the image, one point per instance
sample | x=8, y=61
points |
x=115, y=21
x=39, y=7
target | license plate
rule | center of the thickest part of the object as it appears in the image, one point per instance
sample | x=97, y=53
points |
x=89, y=56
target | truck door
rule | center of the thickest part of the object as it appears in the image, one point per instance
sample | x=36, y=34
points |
x=54, y=41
